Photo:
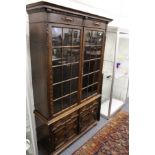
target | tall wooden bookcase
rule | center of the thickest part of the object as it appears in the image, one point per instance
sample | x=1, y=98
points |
x=67, y=49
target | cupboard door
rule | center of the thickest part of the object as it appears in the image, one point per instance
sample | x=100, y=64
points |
x=66, y=45
x=84, y=121
x=93, y=112
x=59, y=137
x=88, y=115
x=71, y=128
x=93, y=49
x=64, y=129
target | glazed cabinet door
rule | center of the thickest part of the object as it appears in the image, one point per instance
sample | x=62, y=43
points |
x=65, y=56
x=92, y=58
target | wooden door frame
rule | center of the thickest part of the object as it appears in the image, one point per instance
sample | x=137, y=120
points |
x=50, y=80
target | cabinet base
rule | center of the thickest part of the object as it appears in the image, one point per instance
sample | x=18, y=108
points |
x=42, y=150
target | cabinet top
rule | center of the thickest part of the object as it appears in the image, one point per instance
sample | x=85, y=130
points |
x=43, y=6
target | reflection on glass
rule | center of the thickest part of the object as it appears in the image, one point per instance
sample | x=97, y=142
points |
x=75, y=54
x=57, y=74
x=74, y=84
x=87, y=53
x=56, y=56
x=66, y=72
x=96, y=75
x=57, y=105
x=66, y=102
x=98, y=53
x=56, y=36
x=65, y=62
x=94, y=38
x=91, y=79
x=66, y=55
x=86, y=68
x=92, y=66
x=85, y=81
x=94, y=89
x=90, y=90
x=92, y=52
x=84, y=93
x=88, y=37
x=67, y=37
x=73, y=98
x=57, y=91
x=66, y=87
x=76, y=37
x=70, y=55
x=97, y=64
x=74, y=70
x=97, y=37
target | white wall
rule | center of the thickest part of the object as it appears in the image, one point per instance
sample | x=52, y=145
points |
x=30, y=121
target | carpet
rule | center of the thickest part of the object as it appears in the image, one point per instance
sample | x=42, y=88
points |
x=112, y=139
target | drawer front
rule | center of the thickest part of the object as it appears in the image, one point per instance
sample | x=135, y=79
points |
x=85, y=109
x=71, y=129
x=84, y=121
x=64, y=129
x=59, y=137
x=88, y=115
x=58, y=125
x=93, y=112
x=95, y=24
x=64, y=19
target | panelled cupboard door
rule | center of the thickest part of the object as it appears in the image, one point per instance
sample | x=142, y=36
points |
x=65, y=52
x=93, y=48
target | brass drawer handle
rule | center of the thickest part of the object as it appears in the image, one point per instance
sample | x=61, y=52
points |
x=68, y=19
x=97, y=24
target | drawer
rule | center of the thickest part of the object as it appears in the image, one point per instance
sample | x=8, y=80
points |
x=64, y=130
x=93, y=112
x=71, y=129
x=88, y=115
x=64, y=19
x=59, y=138
x=58, y=125
x=85, y=109
x=62, y=122
x=72, y=116
x=84, y=121
x=96, y=24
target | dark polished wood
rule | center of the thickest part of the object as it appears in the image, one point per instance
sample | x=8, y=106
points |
x=67, y=49
x=64, y=19
x=73, y=109
x=39, y=63
x=49, y=7
x=95, y=24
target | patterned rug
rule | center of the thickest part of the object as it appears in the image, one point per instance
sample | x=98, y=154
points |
x=112, y=139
